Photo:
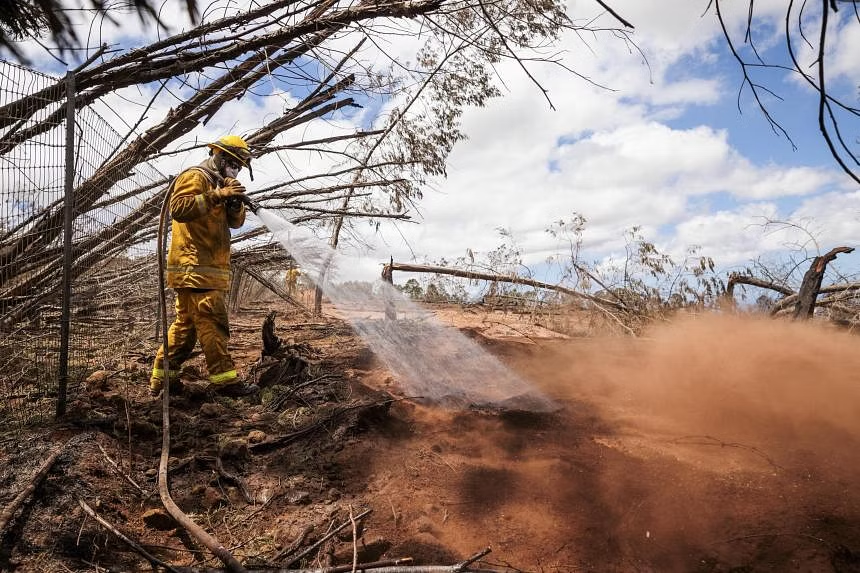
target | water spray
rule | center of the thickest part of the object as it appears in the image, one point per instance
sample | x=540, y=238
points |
x=433, y=363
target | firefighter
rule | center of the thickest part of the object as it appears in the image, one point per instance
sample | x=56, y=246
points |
x=292, y=280
x=206, y=201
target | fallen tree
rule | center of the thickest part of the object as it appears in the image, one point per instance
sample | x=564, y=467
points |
x=803, y=301
x=472, y=275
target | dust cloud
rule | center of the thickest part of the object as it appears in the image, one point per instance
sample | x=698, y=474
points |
x=714, y=443
x=729, y=377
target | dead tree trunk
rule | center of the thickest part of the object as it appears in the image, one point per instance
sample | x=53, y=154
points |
x=811, y=285
x=388, y=276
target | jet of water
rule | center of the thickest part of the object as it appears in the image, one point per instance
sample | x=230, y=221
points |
x=432, y=362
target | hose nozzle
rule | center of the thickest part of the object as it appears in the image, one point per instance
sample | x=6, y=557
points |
x=250, y=204
x=247, y=201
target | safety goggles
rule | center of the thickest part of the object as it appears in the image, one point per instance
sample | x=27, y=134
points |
x=234, y=164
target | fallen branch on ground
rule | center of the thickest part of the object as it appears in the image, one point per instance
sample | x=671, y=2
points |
x=373, y=565
x=120, y=472
x=712, y=441
x=739, y=279
x=233, y=479
x=395, y=569
x=404, y=267
x=322, y=540
x=155, y=561
x=354, y=541
x=376, y=567
x=15, y=504
x=280, y=441
x=277, y=402
x=297, y=542
x=775, y=534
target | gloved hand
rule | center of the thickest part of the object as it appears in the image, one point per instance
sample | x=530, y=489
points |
x=234, y=204
x=231, y=191
x=239, y=197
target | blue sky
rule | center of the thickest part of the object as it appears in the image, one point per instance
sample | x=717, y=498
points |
x=667, y=149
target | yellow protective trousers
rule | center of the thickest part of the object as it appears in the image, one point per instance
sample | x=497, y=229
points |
x=200, y=315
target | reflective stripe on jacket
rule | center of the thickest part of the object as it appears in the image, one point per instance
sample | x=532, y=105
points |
x=199, y=254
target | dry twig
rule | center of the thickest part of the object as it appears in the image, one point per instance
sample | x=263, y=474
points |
x=712, y=441
x=8, y=513
x=233, y=479
x=323, y=539
x=155, y=561
x=354, y=540
x=280, y=441
x=117, y=469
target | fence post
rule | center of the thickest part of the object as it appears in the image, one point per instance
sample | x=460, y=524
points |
x=68, y=220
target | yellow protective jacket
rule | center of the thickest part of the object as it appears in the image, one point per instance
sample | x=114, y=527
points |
x=199, y=254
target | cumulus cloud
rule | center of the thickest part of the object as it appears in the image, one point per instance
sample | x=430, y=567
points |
x=643, y=174
x=733, y=237
x=833, y=218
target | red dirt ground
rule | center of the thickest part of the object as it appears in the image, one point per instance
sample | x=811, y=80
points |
x=714, y=443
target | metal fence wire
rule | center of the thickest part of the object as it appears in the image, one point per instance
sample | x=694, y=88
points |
x=108, y=255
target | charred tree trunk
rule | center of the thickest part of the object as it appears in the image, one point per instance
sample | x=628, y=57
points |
x=388, y=276
x=811, y=285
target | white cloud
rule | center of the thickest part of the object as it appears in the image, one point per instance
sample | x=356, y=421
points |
x=833, y=218
x=741, y=235
x=845, y=44
x=616, y=165
x=732, y=237
x=702, y=91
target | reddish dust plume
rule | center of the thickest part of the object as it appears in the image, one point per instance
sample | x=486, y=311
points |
x=780, y=383
x=714, y=444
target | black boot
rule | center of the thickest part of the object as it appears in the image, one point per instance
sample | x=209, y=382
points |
x=235, y=390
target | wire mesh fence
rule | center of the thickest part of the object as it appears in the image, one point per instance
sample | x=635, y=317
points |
x=29, y=351
x=109, y=258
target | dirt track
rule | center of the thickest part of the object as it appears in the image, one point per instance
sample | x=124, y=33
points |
x=711, y=445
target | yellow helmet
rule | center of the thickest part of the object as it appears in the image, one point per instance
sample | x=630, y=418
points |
x=236, y=147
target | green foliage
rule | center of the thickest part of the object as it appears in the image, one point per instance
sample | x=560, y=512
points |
x=435, y=293
x=412, y=289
